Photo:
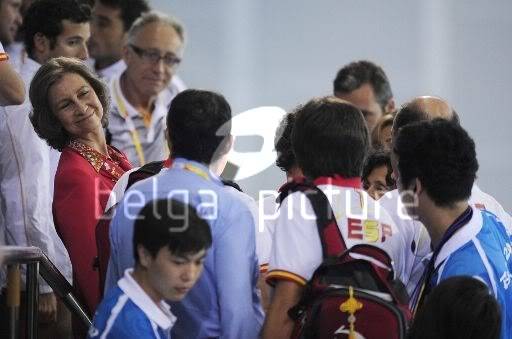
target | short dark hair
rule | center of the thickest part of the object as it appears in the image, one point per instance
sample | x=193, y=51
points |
x=358, y=73
x=45, y=122
x=283, y=143
x=130, y=10
x=173, y=224
x=459, y=307
x=409, y=114
x=46, y=16
x=375, y=159
x=330, y=138
x=198, y=124
x=441, y=155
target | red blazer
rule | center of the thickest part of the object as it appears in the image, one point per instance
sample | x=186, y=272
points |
x=83, y=182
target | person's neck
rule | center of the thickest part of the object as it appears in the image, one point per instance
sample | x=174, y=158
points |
x=140, y=276
x=37, y=57
x=438, y=219
x=217, y=166
x=293, y=173
x=101, y=64
x=138, y=100
x=96, y=141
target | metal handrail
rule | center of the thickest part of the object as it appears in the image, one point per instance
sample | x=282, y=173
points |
x=38, y=263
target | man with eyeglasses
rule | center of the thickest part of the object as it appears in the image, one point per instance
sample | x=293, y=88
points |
x=140, y=94
x=111, y=20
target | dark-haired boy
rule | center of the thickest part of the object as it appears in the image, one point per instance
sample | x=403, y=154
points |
x=377, y=171
x=224, y=303
x=418, y=249
x=436, y=161
x=170, y=242
x=330, y=142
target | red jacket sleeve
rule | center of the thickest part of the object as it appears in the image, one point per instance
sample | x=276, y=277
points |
x=76, y=210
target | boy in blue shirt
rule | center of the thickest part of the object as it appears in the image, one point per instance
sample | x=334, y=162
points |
x=170, y=242
x=436, y=162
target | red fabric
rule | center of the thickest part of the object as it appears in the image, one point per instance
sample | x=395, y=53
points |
x=80, y=196
x=373, y=320
x=168, y=163
x=103, y=248
x=340, y=181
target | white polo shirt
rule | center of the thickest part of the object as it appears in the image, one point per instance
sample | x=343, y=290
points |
x=297, y=250
x=26, y=184
x=268, y=212
x=140, y=143
x=127, y=311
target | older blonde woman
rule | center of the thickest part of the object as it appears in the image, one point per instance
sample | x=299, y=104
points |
x=70, y=106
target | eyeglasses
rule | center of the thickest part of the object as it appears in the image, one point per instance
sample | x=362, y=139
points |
x=152, y=56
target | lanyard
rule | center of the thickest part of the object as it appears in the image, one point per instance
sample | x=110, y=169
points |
x=461, y=221
x=131, y=127
x=192, y=168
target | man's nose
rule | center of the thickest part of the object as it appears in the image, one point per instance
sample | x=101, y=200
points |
x=84, y=53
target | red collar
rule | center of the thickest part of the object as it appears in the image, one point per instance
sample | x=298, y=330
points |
x=337, y=180
x=168, y=163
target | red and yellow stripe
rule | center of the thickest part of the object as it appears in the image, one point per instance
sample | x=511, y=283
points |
x=275, y=275
x=264, y=268
x=4, y=56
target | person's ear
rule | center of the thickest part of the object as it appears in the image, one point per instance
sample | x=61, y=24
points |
x=145, y=257
x=418, y=187
x=390, y=106
x=127, y=55
x=229, y=143
x=168, y=140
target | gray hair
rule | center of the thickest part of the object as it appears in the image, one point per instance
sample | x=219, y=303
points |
x=155, y=16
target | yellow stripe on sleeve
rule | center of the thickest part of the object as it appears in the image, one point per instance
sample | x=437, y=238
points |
x=275, y=275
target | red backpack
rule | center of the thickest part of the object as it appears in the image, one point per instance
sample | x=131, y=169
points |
x=352, y=294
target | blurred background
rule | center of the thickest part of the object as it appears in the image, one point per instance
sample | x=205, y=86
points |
x=282, y=53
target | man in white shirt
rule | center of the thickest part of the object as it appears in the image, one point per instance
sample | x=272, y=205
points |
x=140, y=94
x=330, y=141
x=111, y=20
x=53, y=28
x=12, y=91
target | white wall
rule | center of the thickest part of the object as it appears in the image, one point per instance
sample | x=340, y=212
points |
x=262, y=52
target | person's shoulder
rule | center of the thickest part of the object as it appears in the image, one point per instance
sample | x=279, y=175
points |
x=73, y=167
x=466, y=260
x=70, y=158
x=110, y=299
x=244, y=197
x=125, y=318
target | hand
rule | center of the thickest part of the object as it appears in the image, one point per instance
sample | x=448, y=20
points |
x=47, y=307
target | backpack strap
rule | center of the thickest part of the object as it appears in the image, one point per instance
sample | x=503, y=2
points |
x=332, y=241
x=146, y=171
x=233, y=184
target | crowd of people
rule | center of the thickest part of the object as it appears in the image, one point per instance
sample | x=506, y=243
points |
x=113, y=168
